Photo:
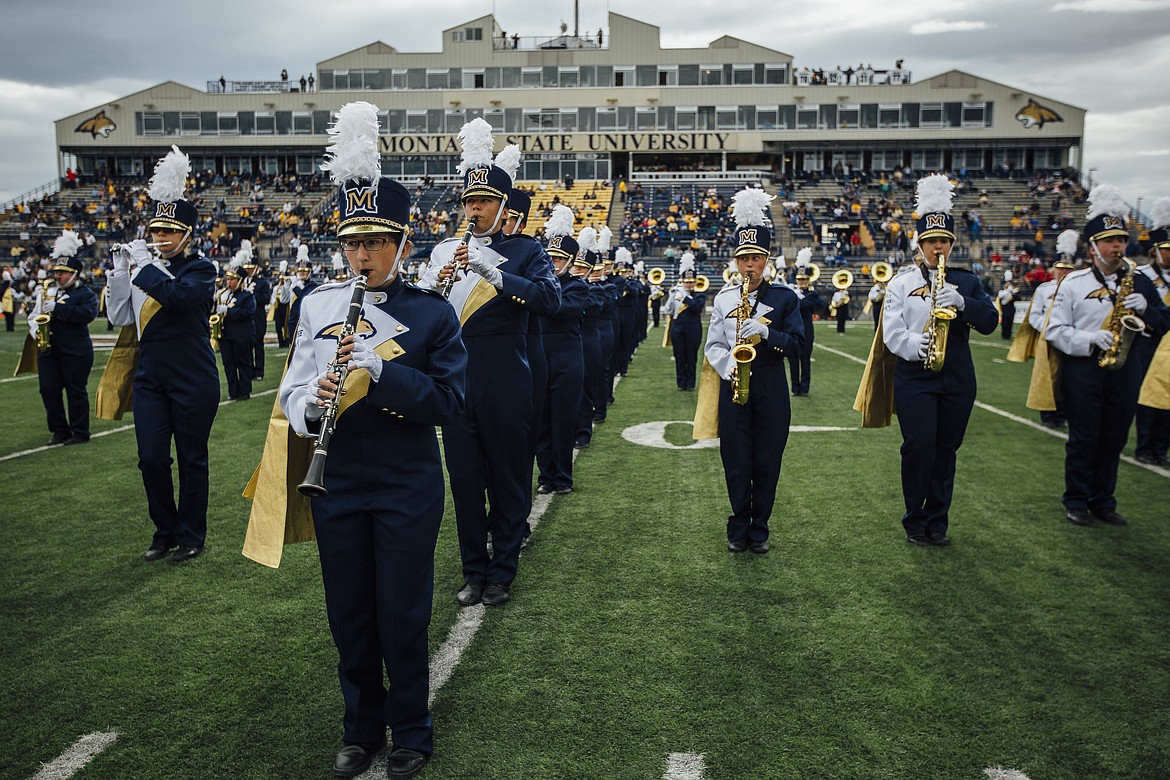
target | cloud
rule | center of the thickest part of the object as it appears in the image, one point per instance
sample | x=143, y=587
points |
x=936, y=26
x=1111, y=6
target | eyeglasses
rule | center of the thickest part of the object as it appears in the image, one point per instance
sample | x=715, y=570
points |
x=371, y=244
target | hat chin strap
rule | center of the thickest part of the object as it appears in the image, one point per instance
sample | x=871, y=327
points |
x=495, y=223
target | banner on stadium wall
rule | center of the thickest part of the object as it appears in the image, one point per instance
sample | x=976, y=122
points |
x=569, y=143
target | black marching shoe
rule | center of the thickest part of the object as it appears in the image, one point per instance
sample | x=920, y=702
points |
x=356, y=757
x=1149, y=460
x=77, y=439
x=470, y=595
x=544, y=488
x=157, y=552
x=580, y=445
x=759, y=548
x=58, y=438
x=1109, y=516
x=918, y=540
x=939, y=539
x=186, y=553
x=496, y=594
x=405, y=763
x=1078, y=516
x=564, y=490
x=738, y=546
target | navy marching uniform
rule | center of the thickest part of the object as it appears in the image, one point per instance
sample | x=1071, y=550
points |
x=1100, y=403
x=65, y=365
x=298, y=288
x=752, y=436
x=607, y=338
x=236, y=305
x=261, y=290
x=933, y=407
x=686, y=330
x=481, y=444
x=176, y=383
x=840, y=303
x=800, y=364
x=591, y=352
x=566, y=367
x=1153, y=424
x=1007, y=307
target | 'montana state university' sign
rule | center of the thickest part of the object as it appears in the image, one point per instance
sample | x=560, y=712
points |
x=570, y=142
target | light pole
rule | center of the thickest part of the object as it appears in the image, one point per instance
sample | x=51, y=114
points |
x=1139, y=211
x=1091, y=170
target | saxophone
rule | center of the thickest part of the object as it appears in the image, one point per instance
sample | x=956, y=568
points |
x=1122, y=323
x=742, y=353
x=939, y=325
x=42, y=319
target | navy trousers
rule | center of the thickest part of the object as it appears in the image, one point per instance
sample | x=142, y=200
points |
x=566, y=376
x=604, y=380
x=68, y=374
x=591, y=352
x=685, y=338
x=237, y=366
x=1100, y=406
x=261, y=328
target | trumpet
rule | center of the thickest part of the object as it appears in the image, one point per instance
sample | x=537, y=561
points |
x=939, y=325
x=742, y=353
x=1123, y=323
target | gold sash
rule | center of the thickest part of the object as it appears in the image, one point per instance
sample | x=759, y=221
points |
x=875, y=394
x=1027, y=338
x=28, y=357
x=117, y=382
x=1156, y=386
x=666, y=331
x=1043, y=388
x=706, y=424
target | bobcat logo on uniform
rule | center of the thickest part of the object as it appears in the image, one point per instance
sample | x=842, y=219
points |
x=165, y=210
x=936, y=221
x=364, y=328
x=747, y=236
x=477, y=176
x=98, y=124
x=921, y=292
x=1035, y=115
x=1101, y=294
x=360, y=199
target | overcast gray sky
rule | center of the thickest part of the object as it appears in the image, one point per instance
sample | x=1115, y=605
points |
x=1110, y=57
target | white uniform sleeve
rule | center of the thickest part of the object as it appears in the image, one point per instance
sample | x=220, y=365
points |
x=119, y=301
x=1039, y=306
x=299, y=383
x=720, y=337
x=899, y=339
x=875, y=293
x=1062, y=332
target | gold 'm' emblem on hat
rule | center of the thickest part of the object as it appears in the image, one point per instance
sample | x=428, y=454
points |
x=936, y=221
x=477, y=176
x=165, y=210
x=747, y=236
x=361, y=199
x=554, y=242
x=1114, y=223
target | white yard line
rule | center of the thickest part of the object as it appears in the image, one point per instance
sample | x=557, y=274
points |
x=1021, y=420
x=684, y=766
x=999, y=773
x=76, y=757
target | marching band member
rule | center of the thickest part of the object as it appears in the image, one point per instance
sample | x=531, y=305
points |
x=839, y=303
x=686, y=330
x=236, y=307
x=752, y=431
x=606, y=321
x=933, y=406
x=378, y=522
x=176, y=384
x=590, y=345
x=1100, y=402
x=800, y=364
x=66, y=364
x=282, y=299
x=255, y=283
x=1039, y=310
x=877, y=296
x=508, y=279
x=1006, y=298
x=656, y=295
x=298, y=288
x=564, y=355
x=1153, y=423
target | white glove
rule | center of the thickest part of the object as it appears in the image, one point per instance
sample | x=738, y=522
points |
x=313, y=412
x=923, y=344
x=1102, y=340
x=485, y=268
x=1136, y=302
x=952, y=298
x=753, y=328
x=429, y=279
x=365, y=357
x=48, y=304
x=121, y=259
x=221, y=310
x=140, y=254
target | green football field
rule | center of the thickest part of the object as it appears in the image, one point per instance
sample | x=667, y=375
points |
x=635, y=646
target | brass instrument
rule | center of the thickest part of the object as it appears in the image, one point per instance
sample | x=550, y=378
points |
x=314, y=483
x=742, y=353
x=814, y=272
x=41, y=319
x=702, y=283
x=656, y=276
x=882, y=272
x=215, y=321
x=842, y=280
x=1122, y=323
x=447, y=284
x=727, y=275
x=939, y=325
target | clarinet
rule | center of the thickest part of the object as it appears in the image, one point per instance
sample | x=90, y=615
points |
x=446, y=285
x=314, y=484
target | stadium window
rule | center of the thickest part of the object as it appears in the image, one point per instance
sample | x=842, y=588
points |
x=434, y=120
x=666, y=117
x=376, y=79
x=775, y=73
x=395, y=120
x=265, y=123
x=973, y=114
x=586, y=119
x=742, y=74
x=606, y=119
x=189, y=123
x=416, y=78
x=668, y=75
x=398, y=78
x=746, y=117
x=725, y=117
x=623, y=76
x=513, y=120
x=473, y=78
x=686, y=117
x=325, y=80
x=568, y=77
x=710, y=75
x=889, y=114
x=549, y=76
x=849, y=116
x=152, y=123
x=302, y=123
x=454, y=119
x=926, y=160
x=930, y=115
x=416, y=120
x=495, y=118
x=647, y=75
x=509, y=78
x=767, y=117
x=568, y=120
x=341, y=79
x=228, y=123
x=645, y=118
x=688, y=75
x=806, y=118
x=625, y=118
x=530, y=77
x=306, y=165
x=588, y=76
x=383, y=122
x=438, y=78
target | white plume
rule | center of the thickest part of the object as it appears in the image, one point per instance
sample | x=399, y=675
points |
x=1007, y=275
x=604, y=239
x=560, y=223
x=170, y=177
x=1066, y=243
x=338, y=261
x=302, y=252
x=475, y=141
x=781, y=263
x=283, y=266
x=1160, y=214
x=353, y=153
x=1106, y=199
x=237, y=260
x=934, y=194
x=508, y=161
x=623, y=255
x=686, y=262
x=748, y=206
x=639, y=267
x=587, y=240
x=804, y=257
x=246, y=246
x=66, y=244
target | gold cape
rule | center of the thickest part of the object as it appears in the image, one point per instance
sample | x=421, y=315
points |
x=117, y=383
x=875, y=394
x=1156, y=386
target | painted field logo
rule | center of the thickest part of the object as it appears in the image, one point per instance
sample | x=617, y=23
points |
x=1035, y=115
x=98, y=124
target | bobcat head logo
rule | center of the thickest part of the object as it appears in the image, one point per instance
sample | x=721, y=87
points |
x=1035, y=115
x=1101, y=294
x=921, y=292
x=365, y=329
x=98, y=124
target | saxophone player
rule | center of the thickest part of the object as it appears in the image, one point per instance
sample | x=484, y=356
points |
x=1100, y=402
x=753, y=430
x=933, y=406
